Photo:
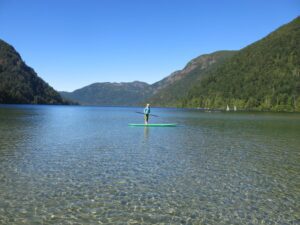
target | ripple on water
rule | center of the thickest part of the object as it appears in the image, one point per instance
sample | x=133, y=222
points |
x=90, y=168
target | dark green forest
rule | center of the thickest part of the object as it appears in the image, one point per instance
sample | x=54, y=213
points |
x=263, y=76
x=19, y=84
x=197, y=68
x=111, y=94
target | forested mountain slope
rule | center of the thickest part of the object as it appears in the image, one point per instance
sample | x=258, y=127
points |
x=263, y=76
x=20, y=84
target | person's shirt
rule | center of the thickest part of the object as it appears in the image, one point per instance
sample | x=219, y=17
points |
x=147, y=110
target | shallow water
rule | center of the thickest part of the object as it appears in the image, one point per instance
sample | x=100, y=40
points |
x=85, y=165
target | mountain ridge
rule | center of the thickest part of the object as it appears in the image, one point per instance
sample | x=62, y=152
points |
x=110, y=93
x=264, y=75
x=97, y=93
x=261, y=76
x=20, y=83
x=180, y=81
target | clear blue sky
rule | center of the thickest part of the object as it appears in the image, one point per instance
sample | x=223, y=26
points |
x=73, y=43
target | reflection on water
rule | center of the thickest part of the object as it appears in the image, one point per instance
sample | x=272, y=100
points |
x=146, y=132
x=84, y=165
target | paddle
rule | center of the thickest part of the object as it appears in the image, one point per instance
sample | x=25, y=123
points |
x=149, y=114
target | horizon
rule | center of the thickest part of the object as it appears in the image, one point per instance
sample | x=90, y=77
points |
x=111, y=41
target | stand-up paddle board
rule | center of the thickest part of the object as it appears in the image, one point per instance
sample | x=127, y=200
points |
x=152, y=125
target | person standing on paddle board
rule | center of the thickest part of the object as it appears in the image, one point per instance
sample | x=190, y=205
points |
x=146, y=113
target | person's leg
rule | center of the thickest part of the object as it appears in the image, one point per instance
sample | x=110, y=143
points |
x=146, y=118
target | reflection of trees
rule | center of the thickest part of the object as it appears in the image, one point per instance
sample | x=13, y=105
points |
x=15, y=125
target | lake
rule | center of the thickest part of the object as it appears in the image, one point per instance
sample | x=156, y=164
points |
x=85, y=165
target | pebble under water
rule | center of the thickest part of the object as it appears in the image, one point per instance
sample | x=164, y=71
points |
x=85, y=165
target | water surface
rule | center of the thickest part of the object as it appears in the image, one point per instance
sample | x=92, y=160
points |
x=84, y=165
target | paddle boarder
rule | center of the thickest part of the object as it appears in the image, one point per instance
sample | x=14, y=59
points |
x=146, y=113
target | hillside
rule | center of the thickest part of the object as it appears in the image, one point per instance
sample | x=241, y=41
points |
x=263, y=76
x=111, y=94
x=19, y=83
x=170, y=90
x=165, y=92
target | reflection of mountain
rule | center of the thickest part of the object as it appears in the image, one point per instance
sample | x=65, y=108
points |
x=13, y=132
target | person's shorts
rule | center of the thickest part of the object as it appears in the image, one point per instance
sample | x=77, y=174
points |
x=146, y=116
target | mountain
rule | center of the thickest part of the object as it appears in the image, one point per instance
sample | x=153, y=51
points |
x=170, y=90
x=263, y=76
x=165, y=92
x=19, y=83
x=111, y=94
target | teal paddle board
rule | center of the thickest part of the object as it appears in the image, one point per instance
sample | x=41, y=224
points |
x=152, y=125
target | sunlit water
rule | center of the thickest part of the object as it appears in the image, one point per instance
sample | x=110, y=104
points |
x=85, y=165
